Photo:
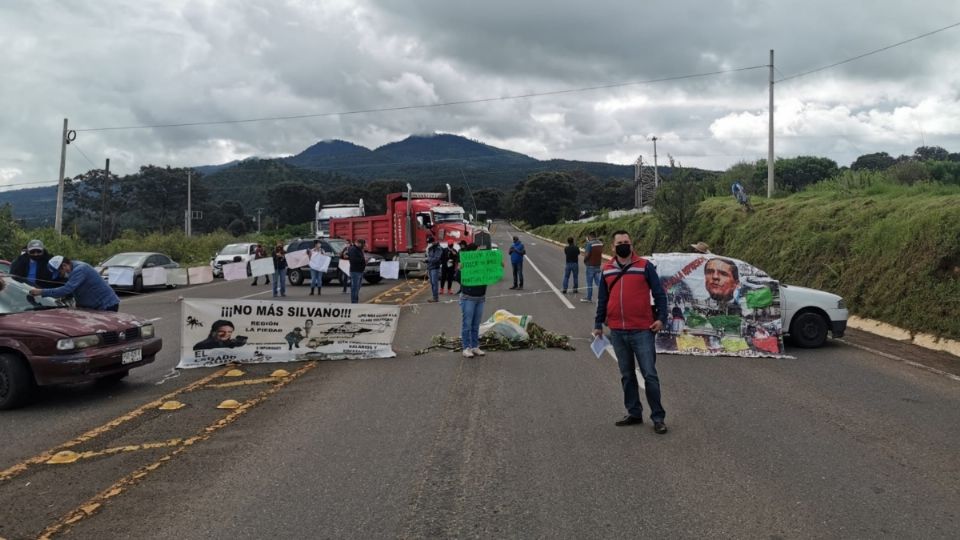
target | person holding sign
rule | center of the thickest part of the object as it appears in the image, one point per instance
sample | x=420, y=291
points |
x=623, y=303
x=279, y=270
x=83, y=282
x=316, y=276
x=472, y=298
x=517, y=251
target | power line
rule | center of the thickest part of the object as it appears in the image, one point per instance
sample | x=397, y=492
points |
x=875, y=51
x=428, y=106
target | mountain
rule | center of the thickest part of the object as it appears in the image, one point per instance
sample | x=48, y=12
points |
x=34, y=207
x=327, y=154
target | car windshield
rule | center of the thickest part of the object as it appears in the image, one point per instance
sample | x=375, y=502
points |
x=126, y=259
x=448, y=216
x=15, y=298
x=234, y=249
x=337, y=244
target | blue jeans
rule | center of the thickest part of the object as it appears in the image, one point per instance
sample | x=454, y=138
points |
x=518, y=274
x=471, y=308
x=280, y=282
x=571, y=268
x=639, y=344
x=593, y=278
x=434, y=274
x=355, y=278
x=316, y=278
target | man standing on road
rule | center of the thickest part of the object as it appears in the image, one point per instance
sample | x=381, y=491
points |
x=87, y=286
x=32, y=267
x=517, y=251
x=434, y=254
x=358, y=263
x=592, y=259
x=572, y=266
x=623, y=302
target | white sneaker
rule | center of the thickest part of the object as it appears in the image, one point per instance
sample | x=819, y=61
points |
x=478, y=352
x=585, y=301
x=468, y=353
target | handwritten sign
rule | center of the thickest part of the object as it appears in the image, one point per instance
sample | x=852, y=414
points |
x=319, y=262
x=296, y=259
x=390, y=269
x=482, y=267
x=235, y=271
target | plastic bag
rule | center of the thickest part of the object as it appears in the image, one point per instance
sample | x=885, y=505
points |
x=502, y=322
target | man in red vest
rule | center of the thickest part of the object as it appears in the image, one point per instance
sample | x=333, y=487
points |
x=623, y=303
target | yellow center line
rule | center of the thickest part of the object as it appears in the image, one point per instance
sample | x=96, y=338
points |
x=127, y=448
x=95, y=503
x=43, y=457
x=244, y=383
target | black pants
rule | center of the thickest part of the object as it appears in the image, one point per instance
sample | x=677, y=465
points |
x=446, y=276
x=518, y=274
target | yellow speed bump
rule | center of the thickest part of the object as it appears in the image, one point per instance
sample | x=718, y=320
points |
x=64, y=456
x=280, y=373
x=234, y=373
x=171, y=405
x=228, y=404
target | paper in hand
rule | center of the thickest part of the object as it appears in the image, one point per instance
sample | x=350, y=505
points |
x=599, y=345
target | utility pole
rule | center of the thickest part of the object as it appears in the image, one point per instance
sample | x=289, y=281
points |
x=656, y=172
x=58, y=220
x=258, y=220
x=637, y=197
x=189, y=217
x=104, y=186
x=770, y=136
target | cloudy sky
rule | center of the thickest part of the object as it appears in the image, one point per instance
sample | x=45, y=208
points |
x=120, y=64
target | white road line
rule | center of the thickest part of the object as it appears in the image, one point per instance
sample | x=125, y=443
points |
x=911, y=363
x=161, y=294
x=550, y=284
x=255, y=294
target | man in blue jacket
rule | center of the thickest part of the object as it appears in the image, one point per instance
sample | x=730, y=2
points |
x=517, y=251
x=89, y=289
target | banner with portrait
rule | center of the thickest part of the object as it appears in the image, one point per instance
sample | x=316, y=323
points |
x=220, y=331
x=718, y=306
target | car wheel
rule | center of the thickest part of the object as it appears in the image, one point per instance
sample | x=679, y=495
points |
x=138, y=284
x=295, y=276
x=16, y=381
x=373, y=280
x=809, y=330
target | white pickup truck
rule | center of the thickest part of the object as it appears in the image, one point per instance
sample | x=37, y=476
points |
x=231, y=253
x=694, y=279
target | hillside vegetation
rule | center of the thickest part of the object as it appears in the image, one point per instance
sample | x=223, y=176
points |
x=891, y=250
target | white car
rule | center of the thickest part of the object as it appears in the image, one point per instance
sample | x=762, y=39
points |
x=231, y=253
x=711, y=283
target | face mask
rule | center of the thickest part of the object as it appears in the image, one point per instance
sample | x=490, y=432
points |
x=444, y=245
x=623, y=250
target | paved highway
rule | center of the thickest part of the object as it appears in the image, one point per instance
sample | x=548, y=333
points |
x=838, y=442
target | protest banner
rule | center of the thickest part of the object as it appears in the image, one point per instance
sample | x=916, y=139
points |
x=219, y=331
x=481, y=267
x=121, y=276
x=154, y=276
x=718, y=306
x=200, y=274
x=235, y=271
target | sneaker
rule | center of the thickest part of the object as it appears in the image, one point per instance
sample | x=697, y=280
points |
x=478, y=352
x=629, y=421
x=660, y=428
x=467, y=353
x=432, y=300
x=586, y=300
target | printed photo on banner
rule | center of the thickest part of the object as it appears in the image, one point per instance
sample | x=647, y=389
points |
x=481, y=267
x=220, y=331
x=718, y=306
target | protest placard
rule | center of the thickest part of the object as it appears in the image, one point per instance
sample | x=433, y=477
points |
x=154, y=276
x=481, y=267
x=344, y=266
x=261, y=267
x=390, y=269
x=235, y=271
x=296, y=259
x=120, y=275
x=319, y=262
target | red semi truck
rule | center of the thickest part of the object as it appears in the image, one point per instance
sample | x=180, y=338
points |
x=402, y=232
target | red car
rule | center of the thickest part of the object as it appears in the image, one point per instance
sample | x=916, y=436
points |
x=43, y=342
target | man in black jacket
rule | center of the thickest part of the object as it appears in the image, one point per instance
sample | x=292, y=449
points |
x=32, y=267
x=358, y=263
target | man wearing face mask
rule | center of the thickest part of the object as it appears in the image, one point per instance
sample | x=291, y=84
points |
x=623, y=303
x=434, y=253
x=87, y=286
x=31, y=267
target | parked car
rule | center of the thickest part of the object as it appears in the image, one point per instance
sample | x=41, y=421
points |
x=807, y=315
x=138, y=261
x=331, y=247
x=43, y=342
x=231, y=253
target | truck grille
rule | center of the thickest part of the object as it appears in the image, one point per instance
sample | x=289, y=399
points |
x=112, y=338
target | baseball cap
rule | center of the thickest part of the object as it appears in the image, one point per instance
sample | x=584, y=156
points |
x=55, y=263
x=34, y=245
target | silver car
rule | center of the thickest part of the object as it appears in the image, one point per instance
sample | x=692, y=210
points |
x=138, y=260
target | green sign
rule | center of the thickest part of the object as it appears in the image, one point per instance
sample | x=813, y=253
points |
x=481, y=267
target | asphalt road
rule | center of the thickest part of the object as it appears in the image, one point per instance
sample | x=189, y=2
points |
x=837, y=442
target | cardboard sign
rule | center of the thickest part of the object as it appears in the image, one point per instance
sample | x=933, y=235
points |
x=344, y=266
x=390, y=269
x=296, y=259
x=319, y=262
x=481, y=267
x=235, y=271
x=262, y=267
x=177, y=276
x=200, y=274
x=120, y=275
x=154, y=276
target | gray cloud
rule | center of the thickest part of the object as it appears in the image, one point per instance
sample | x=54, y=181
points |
x=114, y=63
